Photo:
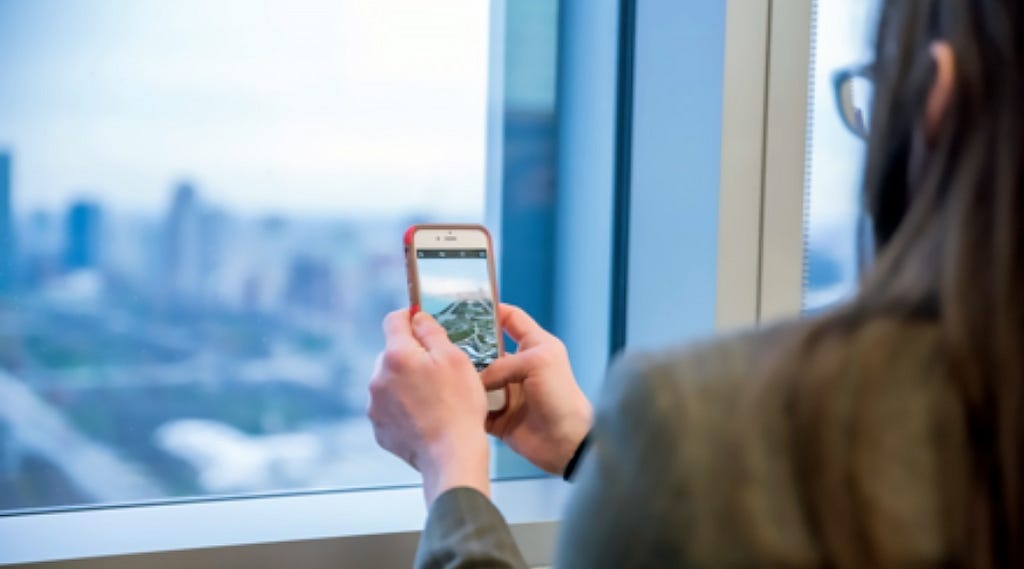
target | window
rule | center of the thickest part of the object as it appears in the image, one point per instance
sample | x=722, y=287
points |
x=841, y=38
x=201, y=207
x=449, y=66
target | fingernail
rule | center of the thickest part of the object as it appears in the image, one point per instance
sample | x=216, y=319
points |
x=420, y=319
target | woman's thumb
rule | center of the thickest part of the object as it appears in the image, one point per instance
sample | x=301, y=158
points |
x=429, y=333
x=505, y=370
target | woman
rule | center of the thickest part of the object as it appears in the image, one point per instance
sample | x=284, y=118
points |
x=889, y=432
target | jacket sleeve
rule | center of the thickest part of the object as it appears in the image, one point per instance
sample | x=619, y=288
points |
x=625, y=508
x=465, y=530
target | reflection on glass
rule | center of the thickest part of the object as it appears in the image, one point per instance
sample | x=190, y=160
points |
x=201, y=210
x=836, y=153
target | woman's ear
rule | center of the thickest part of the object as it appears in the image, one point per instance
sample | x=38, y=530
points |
x=941, y=94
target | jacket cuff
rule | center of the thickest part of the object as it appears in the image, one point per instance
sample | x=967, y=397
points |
x=464, y=527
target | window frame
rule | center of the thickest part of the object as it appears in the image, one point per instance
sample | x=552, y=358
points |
x=787, y=144
x=382, y=535
x=675, y=177
x=744, y=106
x=741, y=194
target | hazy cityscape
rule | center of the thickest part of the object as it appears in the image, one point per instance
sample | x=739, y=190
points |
x=191, y=353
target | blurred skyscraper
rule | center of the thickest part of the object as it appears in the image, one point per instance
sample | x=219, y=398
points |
x=183, y=242
x=83, y=235
x=212, y=231
x=7, y=262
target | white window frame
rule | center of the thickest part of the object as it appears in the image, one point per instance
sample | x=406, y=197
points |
x=786, y=159
x=299, y=530
x=743, y=163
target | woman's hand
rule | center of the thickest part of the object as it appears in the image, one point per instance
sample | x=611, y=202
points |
x=547, y=414
x=428, y=406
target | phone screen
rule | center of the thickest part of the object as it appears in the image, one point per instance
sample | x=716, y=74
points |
x=455, y=288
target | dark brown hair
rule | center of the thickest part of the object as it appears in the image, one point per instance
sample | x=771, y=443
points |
x=949, y=227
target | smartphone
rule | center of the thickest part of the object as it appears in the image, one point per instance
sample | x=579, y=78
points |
x=451, y=276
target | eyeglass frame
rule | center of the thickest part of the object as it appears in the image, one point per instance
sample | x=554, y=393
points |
x=840, y=78
x=865, y=226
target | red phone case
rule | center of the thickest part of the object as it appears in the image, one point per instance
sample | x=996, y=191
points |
x=408, y=240
x=413, y=281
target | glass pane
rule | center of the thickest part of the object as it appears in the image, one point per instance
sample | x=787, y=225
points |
x=529, y=175
x=842, y=38
x=201, y=210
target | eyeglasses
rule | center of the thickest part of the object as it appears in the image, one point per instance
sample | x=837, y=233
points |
x=855, y=96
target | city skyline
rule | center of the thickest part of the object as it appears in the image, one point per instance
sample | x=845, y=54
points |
x=194, y=251
x=146, y=342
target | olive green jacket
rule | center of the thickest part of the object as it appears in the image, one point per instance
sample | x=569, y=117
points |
x=689, y=467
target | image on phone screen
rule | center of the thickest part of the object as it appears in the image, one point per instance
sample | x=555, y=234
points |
x=455, y=288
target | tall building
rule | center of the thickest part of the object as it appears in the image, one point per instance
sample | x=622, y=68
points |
x=213, y=233
x=83, y=236
x=7, y=252
x=183, y=247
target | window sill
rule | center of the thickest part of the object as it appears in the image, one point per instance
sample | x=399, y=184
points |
x=359, y=517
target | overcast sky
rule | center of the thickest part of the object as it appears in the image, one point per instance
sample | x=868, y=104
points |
x=293, y=106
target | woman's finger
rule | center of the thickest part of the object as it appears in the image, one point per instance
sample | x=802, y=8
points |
x=398, y=331
x=505, y=370
x=520, y=326
x=429, y=333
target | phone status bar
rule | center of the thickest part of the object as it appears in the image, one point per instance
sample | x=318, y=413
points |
x=451, y=253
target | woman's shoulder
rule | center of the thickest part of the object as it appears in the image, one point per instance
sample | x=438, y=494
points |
x=674, y=412
x=718, y=423
x=698, y=391
x=717, y=367
x=714, y=365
